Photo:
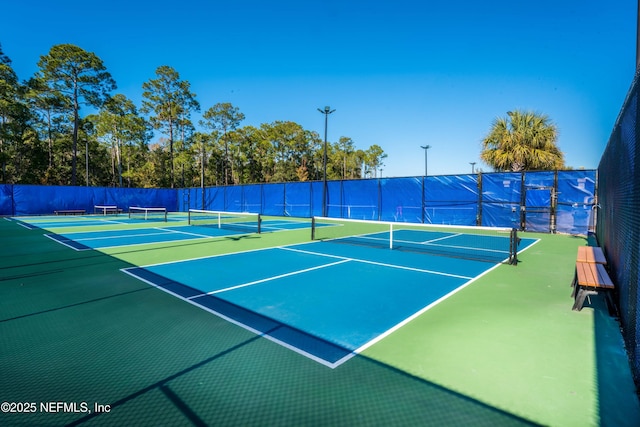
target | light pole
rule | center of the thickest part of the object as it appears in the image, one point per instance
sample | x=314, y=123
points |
x=86, y=159
x=473, y=170
x=425, y=148
x=327, y=110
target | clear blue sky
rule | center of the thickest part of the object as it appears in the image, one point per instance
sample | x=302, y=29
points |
x=400, y=73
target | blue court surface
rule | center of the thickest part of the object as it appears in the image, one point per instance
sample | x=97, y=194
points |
x=138, y=236
x=60, y=221
x=152, y=232
x=75, y=221
x=325, y=300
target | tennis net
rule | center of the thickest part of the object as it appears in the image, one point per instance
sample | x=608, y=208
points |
x=153, y=214
x=491, y=244
x=106, y=210
x=239, y=221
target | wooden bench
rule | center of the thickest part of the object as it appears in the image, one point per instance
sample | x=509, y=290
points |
x=591, y=277
x=69, y=212
x=591, y=254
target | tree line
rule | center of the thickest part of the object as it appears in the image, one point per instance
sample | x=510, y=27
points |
x=45, y=140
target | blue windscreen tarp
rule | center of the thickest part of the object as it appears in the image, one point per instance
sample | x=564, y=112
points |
x=42, y=199
x=401, y=199
x=360, y=199
x=501, y=197
x=576, y=190
x=507, y=199
x=233, y=199
x=316, y=198
x=334, y=199
x=538, y=187
x=451, y=199
x=6, y=199
x=273, y=199
x=215, y=198
x=298, y=199
x=144, y=197
x=195, y=198
x=252, y=198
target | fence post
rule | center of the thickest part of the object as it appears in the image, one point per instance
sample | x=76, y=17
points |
x=479, y=214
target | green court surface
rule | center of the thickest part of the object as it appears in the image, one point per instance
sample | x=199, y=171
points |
x=505, y=350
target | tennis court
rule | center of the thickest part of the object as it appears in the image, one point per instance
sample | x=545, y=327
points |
x=113, y=231
x=289, y=294
x=358, y=326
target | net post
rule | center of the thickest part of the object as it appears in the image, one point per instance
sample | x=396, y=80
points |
x=259, y=223
x=513, y=247
x=313, y=228
x=390, y=236
x=219, y=219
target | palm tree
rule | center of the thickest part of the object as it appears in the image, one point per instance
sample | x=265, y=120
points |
x=523, y=141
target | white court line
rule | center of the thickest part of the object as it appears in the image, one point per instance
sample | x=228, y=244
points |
x=431, y=242
x=271, y=222
x=121, y=236
x=274, y=228
x=163, y=242
x=440, y=238
x=364, y=261
x=280, y=276
x=163, y=231
x=267, y=224
x=242, y=325
x=530, y=238
x=50, y=236
x=299, y=250
x=27, y=225
x=209, y=256
x=111, y=221
x=468, y=248
x=266, y=335
x=205, y=236
x=420, y=312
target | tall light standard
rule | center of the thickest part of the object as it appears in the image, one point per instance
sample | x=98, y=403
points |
x=473, y=164
x=327, y=110
x=425, y=148
x=86, y=158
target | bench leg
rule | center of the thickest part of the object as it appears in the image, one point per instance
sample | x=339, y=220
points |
x=580, y=297
x=611, y=306
x=574, y=285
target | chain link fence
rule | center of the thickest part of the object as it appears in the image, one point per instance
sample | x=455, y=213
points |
x=618, y=219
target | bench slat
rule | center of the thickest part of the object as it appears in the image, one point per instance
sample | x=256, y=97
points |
x=593, y=275
x=603, y=277
x=591, y=254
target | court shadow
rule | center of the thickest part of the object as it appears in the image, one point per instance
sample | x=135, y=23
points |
x=613, y=375
x=307, y=344
x=241, y=237
x=293, y=392
x=203, y=370
x=254, y=381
